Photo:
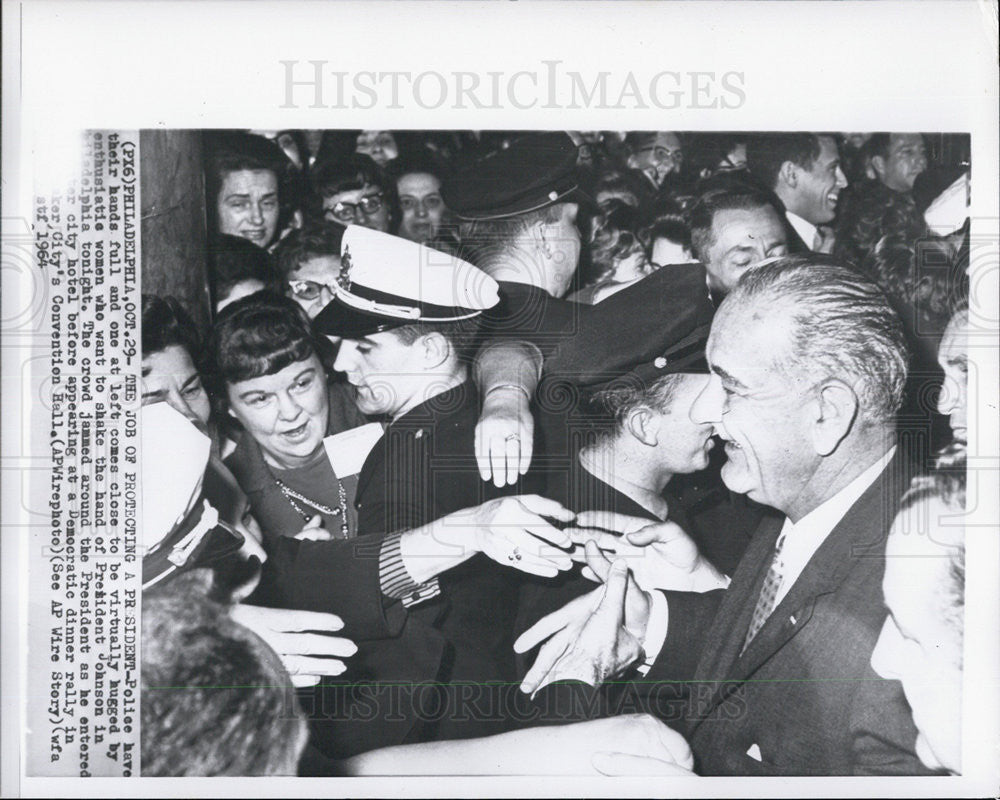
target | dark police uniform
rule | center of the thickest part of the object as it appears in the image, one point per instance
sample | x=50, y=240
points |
x=424, y=468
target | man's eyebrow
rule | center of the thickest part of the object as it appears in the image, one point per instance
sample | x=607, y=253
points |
x=193, y=379
x=727, y=377
x=958, y=360
x=740, y=248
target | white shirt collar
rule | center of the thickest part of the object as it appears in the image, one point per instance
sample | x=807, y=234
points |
x=806, y=230
x=803, y=538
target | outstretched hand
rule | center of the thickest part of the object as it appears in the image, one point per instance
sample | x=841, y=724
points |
x=516, y=532
x=307, y=655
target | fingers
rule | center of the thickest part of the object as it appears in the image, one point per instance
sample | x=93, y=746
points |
x=483, y=461
x=506, y=472
x=527, y=446
x=625, y=764
x=550, y=654
x=303, y=668
x=284, y=619
x=574, y=610
x=313, y=531
x=603, y=539
x=312, y=644
x=662, y=532
x=598, y=562
x=314, y=535
x=610, y=521
x=504, y=443
x=613, y=602
x=545, y=507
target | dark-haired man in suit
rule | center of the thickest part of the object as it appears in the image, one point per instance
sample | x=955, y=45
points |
x=803, y=171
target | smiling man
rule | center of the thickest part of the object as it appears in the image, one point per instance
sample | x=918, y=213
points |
x=803, y=170
x=808, y=365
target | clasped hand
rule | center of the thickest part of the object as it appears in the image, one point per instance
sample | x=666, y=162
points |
x=659, y=554
x=593, y=637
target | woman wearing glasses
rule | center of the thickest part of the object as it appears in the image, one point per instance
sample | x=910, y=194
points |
x=309, y=263
x=355, y=191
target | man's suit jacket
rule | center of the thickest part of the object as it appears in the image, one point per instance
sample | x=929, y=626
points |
x=803, y=698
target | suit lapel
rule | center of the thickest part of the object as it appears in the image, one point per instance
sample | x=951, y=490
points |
x=725, y=637
x=852, y=538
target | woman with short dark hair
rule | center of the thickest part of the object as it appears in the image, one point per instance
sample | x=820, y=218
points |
x=273, y=385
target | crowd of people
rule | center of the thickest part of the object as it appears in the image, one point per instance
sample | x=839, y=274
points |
x=561, y=453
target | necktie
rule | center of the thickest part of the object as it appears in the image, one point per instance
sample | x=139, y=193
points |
x=768, y=593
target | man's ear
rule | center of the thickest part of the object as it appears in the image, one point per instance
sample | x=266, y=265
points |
x=644, y=425
x=540, y=238
x=789, y=174
x=435, y=350
x=878, y=164
x=836, y=409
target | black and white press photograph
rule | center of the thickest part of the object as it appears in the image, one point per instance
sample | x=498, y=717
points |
x=503, y=398
x=508, y=452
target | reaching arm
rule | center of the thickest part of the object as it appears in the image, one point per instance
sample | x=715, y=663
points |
x=581, y=749
x=507, y=374
x=512, y=531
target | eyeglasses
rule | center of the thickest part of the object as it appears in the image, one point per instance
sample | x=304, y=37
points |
x=662, y=154
x=348, y=212
x=310, y=290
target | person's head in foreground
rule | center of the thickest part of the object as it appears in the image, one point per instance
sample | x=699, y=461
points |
x=808, y=366
x=274, y=384
x=216, y=700
x=924, y=587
